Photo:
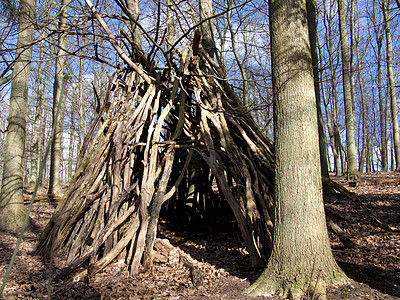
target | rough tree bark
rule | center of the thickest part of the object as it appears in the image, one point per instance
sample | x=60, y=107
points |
x=12, y=210
x=301, y=260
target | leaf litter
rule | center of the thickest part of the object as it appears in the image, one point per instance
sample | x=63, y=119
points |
x=215, y=264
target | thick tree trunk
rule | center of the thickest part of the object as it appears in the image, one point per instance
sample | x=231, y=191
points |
x=12, y=210
x=393, y=100
x=301, y=260
x=348, y=99
x=55, y=154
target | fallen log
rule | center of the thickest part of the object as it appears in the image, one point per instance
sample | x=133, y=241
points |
x=39, y=198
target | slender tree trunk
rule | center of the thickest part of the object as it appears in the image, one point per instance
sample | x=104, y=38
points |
x=38, y=115
x=335, y=137
x=236, y=54
x=133, y=9
x=328, y=124
x=133, y=12
x=348, y=100
x=81, y=129
x=71, y=135
x=43, y=121
x=170, y=27
x=364, y=107
x=392, y=155
x=55, y=154
x=329, y=120
x=300, y=239
x=12, y=210
x=369, y=160
x=383, y=117
x=393, y=100
x=207, y=41
x=352, y=50
x=312, y=30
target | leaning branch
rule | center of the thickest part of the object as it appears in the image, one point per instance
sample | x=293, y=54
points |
x=113, y=41
x=352, y=196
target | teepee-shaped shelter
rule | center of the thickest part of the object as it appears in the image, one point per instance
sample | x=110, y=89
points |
x=151, y=134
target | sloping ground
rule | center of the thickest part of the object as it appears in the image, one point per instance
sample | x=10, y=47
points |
x=215, y=265
x=376, y=260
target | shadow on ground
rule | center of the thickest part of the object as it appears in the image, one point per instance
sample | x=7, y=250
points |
x=377, y=278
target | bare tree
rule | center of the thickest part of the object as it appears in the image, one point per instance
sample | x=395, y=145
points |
x=35, y=156
x=57, y=112
x=243, y=73
x=347, y=94
x=300, y=239
x=12, y=209
x=383, y=111
x=393, y=100
x=331, y=96
x=312, y=30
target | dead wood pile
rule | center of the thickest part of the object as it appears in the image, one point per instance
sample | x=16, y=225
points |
x=128, y=164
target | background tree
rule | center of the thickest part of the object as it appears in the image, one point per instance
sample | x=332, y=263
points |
x=347, y=94
x=383, y=111
x=330, y=94
x=312, y=30
x=57, y=111
x=301, y=260
x=12, y=211
x=391, y=81
x=35, y=157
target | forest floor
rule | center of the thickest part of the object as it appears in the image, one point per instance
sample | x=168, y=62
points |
x=221, y=261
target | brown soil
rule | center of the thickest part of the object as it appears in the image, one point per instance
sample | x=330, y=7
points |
x=219, y=258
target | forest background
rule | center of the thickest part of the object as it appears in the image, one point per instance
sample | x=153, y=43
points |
x=56, y=76
x=242, y=39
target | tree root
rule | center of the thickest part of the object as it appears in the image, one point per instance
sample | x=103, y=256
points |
x=273, y=285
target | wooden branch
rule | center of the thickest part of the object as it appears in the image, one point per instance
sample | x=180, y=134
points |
x=126, y=171
x=344, y=238
x=114, y=43
x=108, y=258
x=39, y=198
x=352, y=196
